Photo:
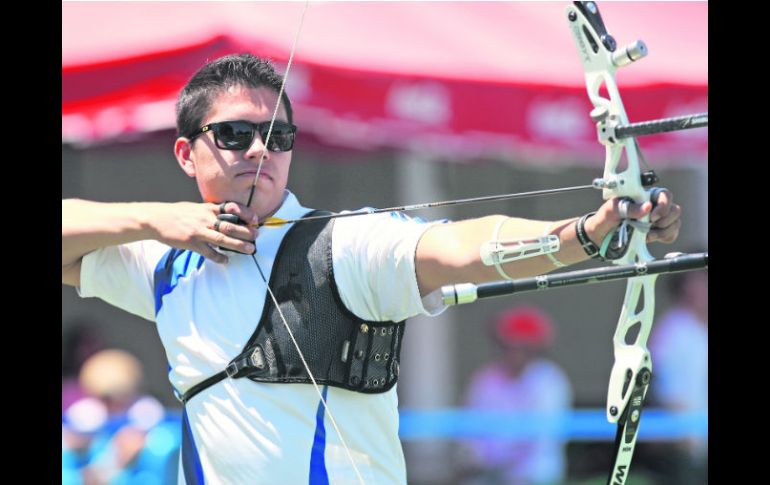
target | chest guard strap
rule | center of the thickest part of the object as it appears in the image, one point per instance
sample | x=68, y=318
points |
x=341, y=349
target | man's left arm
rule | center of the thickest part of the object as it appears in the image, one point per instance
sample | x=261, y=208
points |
x=450, y=253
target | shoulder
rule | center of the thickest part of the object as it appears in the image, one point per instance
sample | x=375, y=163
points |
x=491, y=374
x=546, y=370
x=373, y=258
x=385, y=229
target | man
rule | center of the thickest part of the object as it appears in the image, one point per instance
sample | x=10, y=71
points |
x=681, y=376
x=526, y=382
x=342, y=286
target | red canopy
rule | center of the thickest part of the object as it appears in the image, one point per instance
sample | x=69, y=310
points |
x=455, y=78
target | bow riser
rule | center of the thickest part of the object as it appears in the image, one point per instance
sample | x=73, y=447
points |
x=635, y=356
x=628, y=182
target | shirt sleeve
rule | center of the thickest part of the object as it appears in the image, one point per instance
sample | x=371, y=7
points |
x=374, y=267
x=123, y=276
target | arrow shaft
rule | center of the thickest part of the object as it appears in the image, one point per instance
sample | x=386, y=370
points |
x=428, y=205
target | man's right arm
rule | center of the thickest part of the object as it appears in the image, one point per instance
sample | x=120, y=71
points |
x=87, y=226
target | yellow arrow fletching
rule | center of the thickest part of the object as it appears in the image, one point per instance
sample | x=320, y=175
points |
x=273, y=222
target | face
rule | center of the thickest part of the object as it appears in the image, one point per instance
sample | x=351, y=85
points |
x=229, y=174
x=516, y=357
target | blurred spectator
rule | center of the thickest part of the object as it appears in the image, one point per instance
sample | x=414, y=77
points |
x=522, y=381
x=115, y=435
x=79, y=341
x=679, y=349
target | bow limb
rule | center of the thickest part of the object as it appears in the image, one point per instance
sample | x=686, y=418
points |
x=630, y=375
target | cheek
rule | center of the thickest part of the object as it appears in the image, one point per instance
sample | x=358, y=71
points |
x=212, y=184
x=282, y=166
x=211, y=167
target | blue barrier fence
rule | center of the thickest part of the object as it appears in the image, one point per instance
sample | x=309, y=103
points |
x=577, y=425
x=156, y=462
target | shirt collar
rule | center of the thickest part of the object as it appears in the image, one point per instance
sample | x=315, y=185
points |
x=290, y=208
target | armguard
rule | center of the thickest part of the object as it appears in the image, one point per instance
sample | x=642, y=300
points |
x=496, y=252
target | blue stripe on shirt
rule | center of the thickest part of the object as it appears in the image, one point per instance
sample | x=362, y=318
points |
x=175, y=264
x=191, y=463
x=318, y=473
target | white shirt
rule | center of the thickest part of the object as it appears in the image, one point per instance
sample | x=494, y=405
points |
x=244, y=432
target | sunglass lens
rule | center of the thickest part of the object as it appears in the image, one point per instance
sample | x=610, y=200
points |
x=282, y=137
x=281, y=141
x=234, y=135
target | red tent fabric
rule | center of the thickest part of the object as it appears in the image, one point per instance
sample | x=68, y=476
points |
x=455, y=79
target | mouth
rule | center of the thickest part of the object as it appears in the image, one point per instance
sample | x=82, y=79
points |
x=252, y=173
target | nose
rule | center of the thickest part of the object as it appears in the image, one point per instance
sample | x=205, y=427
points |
x=256, y=149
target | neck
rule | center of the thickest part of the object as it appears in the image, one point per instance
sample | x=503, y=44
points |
x=266, y=212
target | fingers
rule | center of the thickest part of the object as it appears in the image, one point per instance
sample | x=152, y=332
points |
x=666, y=228
x=235, y=228
x=663, y=200
x=666, y=235
x=210, y=254
x=228, y=235
x=244, y=213
x=626, y=209
x=202, y=228
x=663, y=210
x=665, y=215
x=665, y=218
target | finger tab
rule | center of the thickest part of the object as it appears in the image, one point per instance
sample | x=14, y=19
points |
x=231, y=218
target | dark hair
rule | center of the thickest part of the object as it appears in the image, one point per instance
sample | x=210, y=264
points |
x=198, y=94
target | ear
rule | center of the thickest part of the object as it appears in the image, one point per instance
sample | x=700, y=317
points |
x=184, y=153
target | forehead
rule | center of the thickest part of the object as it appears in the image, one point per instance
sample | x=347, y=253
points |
x=244, y=103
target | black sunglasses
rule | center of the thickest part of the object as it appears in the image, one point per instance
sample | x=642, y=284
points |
x=238, y=135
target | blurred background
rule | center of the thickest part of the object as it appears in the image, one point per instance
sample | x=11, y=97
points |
x=400, y=103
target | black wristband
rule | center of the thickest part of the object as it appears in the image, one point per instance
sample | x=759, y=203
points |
x=589, y=247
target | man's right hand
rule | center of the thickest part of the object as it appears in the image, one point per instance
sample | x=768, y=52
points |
x=87, y=226
x=188, y=225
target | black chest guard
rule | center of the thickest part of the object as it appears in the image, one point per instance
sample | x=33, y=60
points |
x=341, y=349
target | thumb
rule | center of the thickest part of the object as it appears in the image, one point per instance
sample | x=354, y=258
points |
x=632, y=210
